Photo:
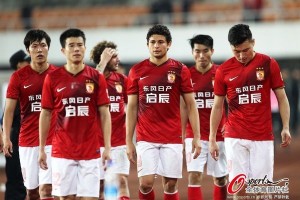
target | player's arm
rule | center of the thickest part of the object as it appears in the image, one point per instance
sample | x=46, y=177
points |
x=105, y=57
x=193, y=117
x=105, y=121
x=284, y=110
x=184, y=118
x=1, y=139
x=10, y=106
x=44, y=126
x=215, y=119
x=131, y=119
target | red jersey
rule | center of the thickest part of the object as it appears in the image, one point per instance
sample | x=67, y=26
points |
x=204, y=95
x=248, y=91
x=26, y=85
x=117, y=85
x=75, y=99
x=159, y=89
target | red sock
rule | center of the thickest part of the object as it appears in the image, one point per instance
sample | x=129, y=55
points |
x=173, y=196
x=220, y=192
x=124, y=198
x=194, y=192
x=148, y=196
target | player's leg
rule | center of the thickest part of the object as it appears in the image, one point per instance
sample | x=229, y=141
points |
x=147, y=164
x=195, y=168
x=30, y=170
x=45, y=177
x=218, y=170
x=170, y=168
x=122, y=168
x=102, y=172
x=88, y=179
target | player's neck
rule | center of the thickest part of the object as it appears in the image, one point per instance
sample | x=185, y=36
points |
x=203, y=69
x=74, y=68
x=39, y=67
x=158, y=61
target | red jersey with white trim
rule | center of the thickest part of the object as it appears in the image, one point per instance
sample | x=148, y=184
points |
x=248, y=91
x=75, y=99
x=26, y=85
x=117, y=86
x=159, y=89
x=204, y=95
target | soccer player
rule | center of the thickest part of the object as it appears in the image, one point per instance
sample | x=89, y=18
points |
x=154, y=89
x=203, y=74
x=246, y=80
x=105, y=56
x=25, y=86
x=77, y=94
x=15, y=188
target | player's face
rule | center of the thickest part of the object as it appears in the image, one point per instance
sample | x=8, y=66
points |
x=38, y=51
x=244, y=52
x=113, y=64
x=74, y=50
x=202, y=55
x=158, y=46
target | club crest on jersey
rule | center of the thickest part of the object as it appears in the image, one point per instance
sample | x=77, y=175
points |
x=260, y=73
x=118, y=87
x=89, y=87
x=171, y=77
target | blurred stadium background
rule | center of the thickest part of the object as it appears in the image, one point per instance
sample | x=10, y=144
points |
x=276, y=30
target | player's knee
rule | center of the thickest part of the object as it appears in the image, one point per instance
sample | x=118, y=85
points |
x=123, y=181
x=45, y=190
x=170, y=185
x=195, y=178
x=220, y=181
x=33, y=194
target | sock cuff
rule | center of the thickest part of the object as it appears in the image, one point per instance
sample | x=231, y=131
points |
x=171, y=192
x=146, y=192
x=194, y=186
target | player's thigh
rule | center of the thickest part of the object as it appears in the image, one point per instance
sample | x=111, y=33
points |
x=170, y=160
x=101, y=165
x=29, y=166
x=238, y=157
x=64, y=176
x=120, y=160
x=218, y=168
x=261, y=159
x=88, y=178
x=195, y=165
x=147, y=158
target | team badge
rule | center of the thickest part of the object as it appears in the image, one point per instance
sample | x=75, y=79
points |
x=118, y=87
x=89, y=87
x=260, y=73
x=171, y=77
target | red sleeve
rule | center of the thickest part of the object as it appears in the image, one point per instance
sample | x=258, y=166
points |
x=125, y=89
x=47, y=95
x=186, y=85
x=276, y=77
x=132, y=83
x=103, y=93
x=13, y=91
x=219, y=84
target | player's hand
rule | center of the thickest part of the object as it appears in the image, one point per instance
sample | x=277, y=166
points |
x=7, y=148
x=131, y=152
x=285, y=137
x=196, y=147
x=214, y=150
x=106, y=56
x=43, y=160
x=105, y=156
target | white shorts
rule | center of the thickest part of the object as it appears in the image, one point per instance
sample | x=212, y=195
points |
x=255, y=159
x=162, y=159
x=32, y=174
x=214, y=168
x=79, y=177
x=120, y=161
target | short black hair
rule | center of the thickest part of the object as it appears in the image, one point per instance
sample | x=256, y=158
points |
x=36, y=35
x=72, y=32
x=202, y=39
x=159, y=29
x=238, y=34
x=99, y=48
